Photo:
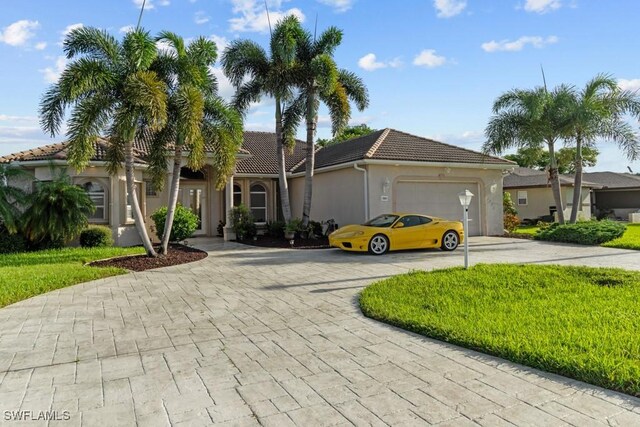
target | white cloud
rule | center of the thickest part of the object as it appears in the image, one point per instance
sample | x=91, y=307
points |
x=150, y=4
x=253, y=16
x=629, y=84
x=369, y=62
x=19, y=33
x=541, y=6
x=338, y=5
x=126, y=29
x=225, y=88
x=428, y=58
x=200, y=17
x=221, y=43
x=517, y=45
x=449, y=8
x=52, y=74
x=9, y=118
x=40, y=45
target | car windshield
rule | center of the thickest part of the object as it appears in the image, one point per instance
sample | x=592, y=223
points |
x=381, y=221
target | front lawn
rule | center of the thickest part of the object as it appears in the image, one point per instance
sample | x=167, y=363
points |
x=24, y=275
x=630, y=239
x=580, y=322
x=527, y=229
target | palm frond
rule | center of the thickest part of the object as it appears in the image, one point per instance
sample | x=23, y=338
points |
x=354, y=88
x=139, y=50
x=51, y=110
x=93, y=42
x=89, y=118
x=147, y=93
x=244, y=58
x=328, y=41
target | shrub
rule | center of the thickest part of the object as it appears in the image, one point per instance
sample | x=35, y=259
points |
x=242, y=222
x=220, y=228
x=508, y=207
x=276, y=228
x=185, y=223
x=96, y=236
x=584, y=233
x=293, y=226
x=57, y=212
x=11, y=242
x=511, y=222
x=315, y=229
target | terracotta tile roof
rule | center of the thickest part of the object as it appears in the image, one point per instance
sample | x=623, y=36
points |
x=263, y=160
x=614, y=179
x=525, y=177
x=58, y=151
x=391, y=144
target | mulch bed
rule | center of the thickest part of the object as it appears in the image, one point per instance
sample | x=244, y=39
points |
x=178, y=254
x=275, y=242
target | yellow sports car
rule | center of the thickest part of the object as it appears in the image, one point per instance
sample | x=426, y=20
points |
x=397, y=231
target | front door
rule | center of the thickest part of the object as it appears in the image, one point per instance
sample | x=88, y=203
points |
x=193, y=196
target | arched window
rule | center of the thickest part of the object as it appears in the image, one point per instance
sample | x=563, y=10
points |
x=258, y=201
x=237, y=195
x=98, y=196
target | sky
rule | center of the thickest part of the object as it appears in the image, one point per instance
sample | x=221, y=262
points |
x=432, y=67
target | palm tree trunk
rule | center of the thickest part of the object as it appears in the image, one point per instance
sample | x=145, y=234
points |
x=577, y=182
x=135, y=206
x=310, y=161
x=173, y=199
x=282, y=171
x=555, y=182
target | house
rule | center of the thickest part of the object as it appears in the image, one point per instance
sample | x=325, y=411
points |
x=618, y=195
x=385, y=171
x=530, y=190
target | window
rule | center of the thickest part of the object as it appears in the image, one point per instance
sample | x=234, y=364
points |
x=522, y=198
x=150, y=189
x=258, y=201
x=410, y=220
x=98, y=196
x=237, y=195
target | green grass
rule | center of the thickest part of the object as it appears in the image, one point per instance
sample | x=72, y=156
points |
x=24, y=275
x=527, y=229
x=630, y=239
x=579, y=322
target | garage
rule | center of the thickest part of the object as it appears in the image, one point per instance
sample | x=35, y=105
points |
x=438, y=199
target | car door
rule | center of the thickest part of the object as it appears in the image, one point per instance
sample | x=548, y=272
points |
x=407, y=233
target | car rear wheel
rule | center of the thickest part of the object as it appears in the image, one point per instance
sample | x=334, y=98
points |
x=450, y=241
x=379, y=244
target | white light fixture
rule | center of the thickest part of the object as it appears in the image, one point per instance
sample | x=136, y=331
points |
x=465, y=200
x=386, y=184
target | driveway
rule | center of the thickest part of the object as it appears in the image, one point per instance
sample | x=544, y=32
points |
x=253, y=336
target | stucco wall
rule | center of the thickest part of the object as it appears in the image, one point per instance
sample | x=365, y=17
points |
x=540, y=199
x=489, y=183
x=338, y=194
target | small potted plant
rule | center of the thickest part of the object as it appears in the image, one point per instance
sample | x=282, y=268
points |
x=292, y=228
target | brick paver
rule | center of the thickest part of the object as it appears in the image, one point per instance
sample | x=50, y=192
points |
x=253, y=336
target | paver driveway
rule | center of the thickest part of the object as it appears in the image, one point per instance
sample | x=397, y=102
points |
x=252, y=335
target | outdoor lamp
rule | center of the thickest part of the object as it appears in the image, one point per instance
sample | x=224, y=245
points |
x=465, y=200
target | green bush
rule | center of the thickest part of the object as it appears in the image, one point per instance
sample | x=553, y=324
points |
x=511, y=222
x=11, y=242
x=242, y=222
x=276, y=228
x=185, y=223
x=96, y=236
x=584, y=233
x=293, y=226
x=508, y=207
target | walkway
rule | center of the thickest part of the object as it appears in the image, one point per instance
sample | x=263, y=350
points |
x=255, y=336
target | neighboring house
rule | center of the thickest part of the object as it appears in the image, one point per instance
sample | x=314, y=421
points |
x=618, y=196
x=531, y=192
x=355, y=180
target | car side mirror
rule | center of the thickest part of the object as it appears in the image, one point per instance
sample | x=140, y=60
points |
x=399, y=225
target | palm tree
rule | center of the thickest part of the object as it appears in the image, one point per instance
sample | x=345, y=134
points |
x=58, y=210
x=110, y=89
x=597, y=112
x=530, y=119
x=11, y=198
x=195, y=115
x=320, y=80
x=255, y=73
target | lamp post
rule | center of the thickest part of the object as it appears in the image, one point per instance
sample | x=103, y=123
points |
x=465, y=200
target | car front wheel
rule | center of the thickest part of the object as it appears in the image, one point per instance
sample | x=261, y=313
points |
x=379, y=244
x=450, y=241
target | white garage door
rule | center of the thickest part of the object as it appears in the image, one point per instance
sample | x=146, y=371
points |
x=438, y=199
